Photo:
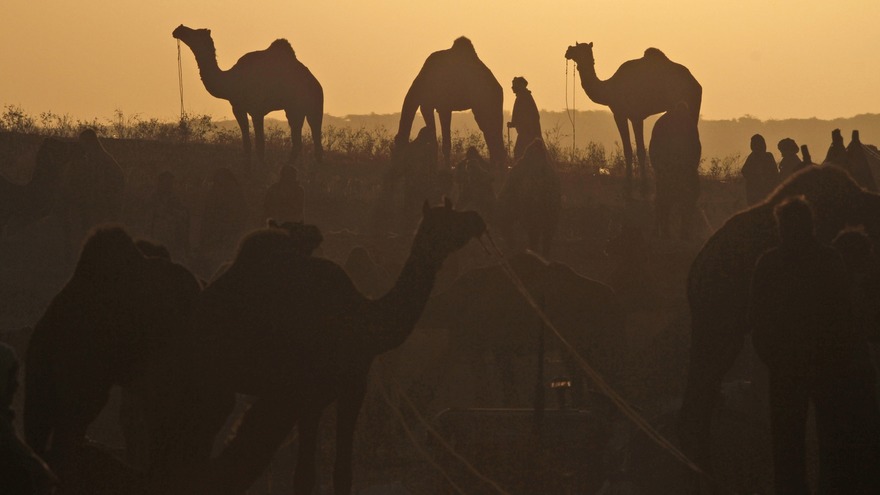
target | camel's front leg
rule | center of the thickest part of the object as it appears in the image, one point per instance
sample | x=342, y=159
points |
x=446, y=134
x=259, y=137
x=347, y=410
x=305, y=474
x=623, y=129
x=639, y=132
x=241, y=117
x=295, y=120
x=264, y=427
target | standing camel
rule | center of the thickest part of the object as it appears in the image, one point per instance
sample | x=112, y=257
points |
x=640, y=88
x=294, y=332
x=455, y=80
x=259, y=83
x=719, y=279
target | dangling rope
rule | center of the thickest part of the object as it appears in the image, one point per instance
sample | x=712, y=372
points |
x=571, y=113
x=180, y=82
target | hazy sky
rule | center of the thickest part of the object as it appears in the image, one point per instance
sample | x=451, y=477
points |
x=770, y=59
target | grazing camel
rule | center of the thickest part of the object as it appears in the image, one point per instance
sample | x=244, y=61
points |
x=719, y=279
x=259, y=83
x=295, y=333
x=640, y=88
x=454, y=80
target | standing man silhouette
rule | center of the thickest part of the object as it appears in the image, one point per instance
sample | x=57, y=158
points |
x=525, y=119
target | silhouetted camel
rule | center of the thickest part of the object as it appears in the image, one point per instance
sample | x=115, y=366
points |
x=259, y=83
x=485, y=313
x=293, y=332
x=34, y=200
x=531, y=198
x=453, y=80
x=642, y=87
x=675, y=155
x=113, y=323
x=718, y=284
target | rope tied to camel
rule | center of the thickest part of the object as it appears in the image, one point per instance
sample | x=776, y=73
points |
x=571, y=113
x=622, y=405
x=180, y=82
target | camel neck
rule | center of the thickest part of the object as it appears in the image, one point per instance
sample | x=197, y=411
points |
x=210, y=72
x=595, y=89
x=400, y=309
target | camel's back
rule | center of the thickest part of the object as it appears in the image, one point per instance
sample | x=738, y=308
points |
x=654, y=84
x=277, y=74
x=448, y=79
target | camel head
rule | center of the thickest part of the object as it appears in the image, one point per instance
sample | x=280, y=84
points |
x=199, y=40
x=581, y=53
x=444, y=230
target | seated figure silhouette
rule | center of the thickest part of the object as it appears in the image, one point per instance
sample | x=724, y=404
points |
x=803, y=330
x=474, y=181
x=22, y=472
x=525, y=118
x=169, y=222
x=759, y=171
x=790, y=163
x=285, y=200
x=857, y=164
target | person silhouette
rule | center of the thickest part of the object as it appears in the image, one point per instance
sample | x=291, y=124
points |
x=837, y=151
x=169, y=224
x=475, y=184
x=805, y=154
x=803, y=330
x=525, y=118
x=22, y=472
x=285, y=199
x=857, y=164
x=759, y=171
x=790, y=163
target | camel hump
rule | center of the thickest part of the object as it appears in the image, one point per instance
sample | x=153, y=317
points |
x=282, y=45
x=655, y=53
x=463, y=45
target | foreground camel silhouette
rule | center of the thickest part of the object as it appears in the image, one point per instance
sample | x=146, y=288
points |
x=640, y=88
x=454, y=80
x=293, y=332
x=259, y=83
x=718, y=285
x=112, y=324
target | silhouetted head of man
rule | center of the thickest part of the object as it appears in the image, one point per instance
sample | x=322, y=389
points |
x=519, y=84
x=759, y=145
x=787, y=147
x=794, y=218
x=855, y=137
x=836, y=137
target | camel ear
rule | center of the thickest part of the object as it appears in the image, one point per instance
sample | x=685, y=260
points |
x=447, y=203
x=590, y=44
x=426, y=208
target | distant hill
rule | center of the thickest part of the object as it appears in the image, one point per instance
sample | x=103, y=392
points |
x=720, y=138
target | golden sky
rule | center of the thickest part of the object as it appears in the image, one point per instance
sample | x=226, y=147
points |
x=770, y=59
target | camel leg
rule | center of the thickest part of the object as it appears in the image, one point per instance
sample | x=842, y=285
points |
x=446, y=134
x=348, y=408
x=491, y=125
x=623, y=129
x=241, y=117
x=295, y=121
x=259, y=137
x=639, y=132
x=305, y=474
x=714, y=348
x=264, y=427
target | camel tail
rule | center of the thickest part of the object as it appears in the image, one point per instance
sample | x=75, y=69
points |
x=38, y=398
x=408, y=113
